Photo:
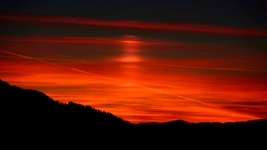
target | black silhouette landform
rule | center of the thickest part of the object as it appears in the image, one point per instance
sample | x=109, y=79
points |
x=30, y=112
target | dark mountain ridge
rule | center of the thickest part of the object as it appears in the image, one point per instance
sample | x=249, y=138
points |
x=27, y=104
x=27, y=110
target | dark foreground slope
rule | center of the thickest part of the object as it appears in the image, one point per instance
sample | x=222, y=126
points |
x=30, y=112
x=27, y=106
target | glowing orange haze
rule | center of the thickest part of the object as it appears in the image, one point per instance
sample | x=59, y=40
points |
x=135, y=87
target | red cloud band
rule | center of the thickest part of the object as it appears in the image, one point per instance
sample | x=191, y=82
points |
x=184, y=27
x=84, y=40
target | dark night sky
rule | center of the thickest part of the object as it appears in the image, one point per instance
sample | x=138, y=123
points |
x=240, y=13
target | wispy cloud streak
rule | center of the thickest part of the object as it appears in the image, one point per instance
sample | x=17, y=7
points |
x=211, y=68
x=81, y=40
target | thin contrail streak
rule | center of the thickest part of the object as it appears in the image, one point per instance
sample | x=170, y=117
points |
x=211, y=68
x=109, y=78
x=47, y=62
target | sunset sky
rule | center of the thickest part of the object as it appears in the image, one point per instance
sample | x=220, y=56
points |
x=141, y=60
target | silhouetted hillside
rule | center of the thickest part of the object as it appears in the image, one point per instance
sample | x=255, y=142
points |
x=25, y=107
x=26, y=110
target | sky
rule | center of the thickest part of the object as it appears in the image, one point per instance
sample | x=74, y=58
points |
x=141, y=60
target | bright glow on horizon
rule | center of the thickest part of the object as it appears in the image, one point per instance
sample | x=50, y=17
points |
x=136, y=92
x=141, y=71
